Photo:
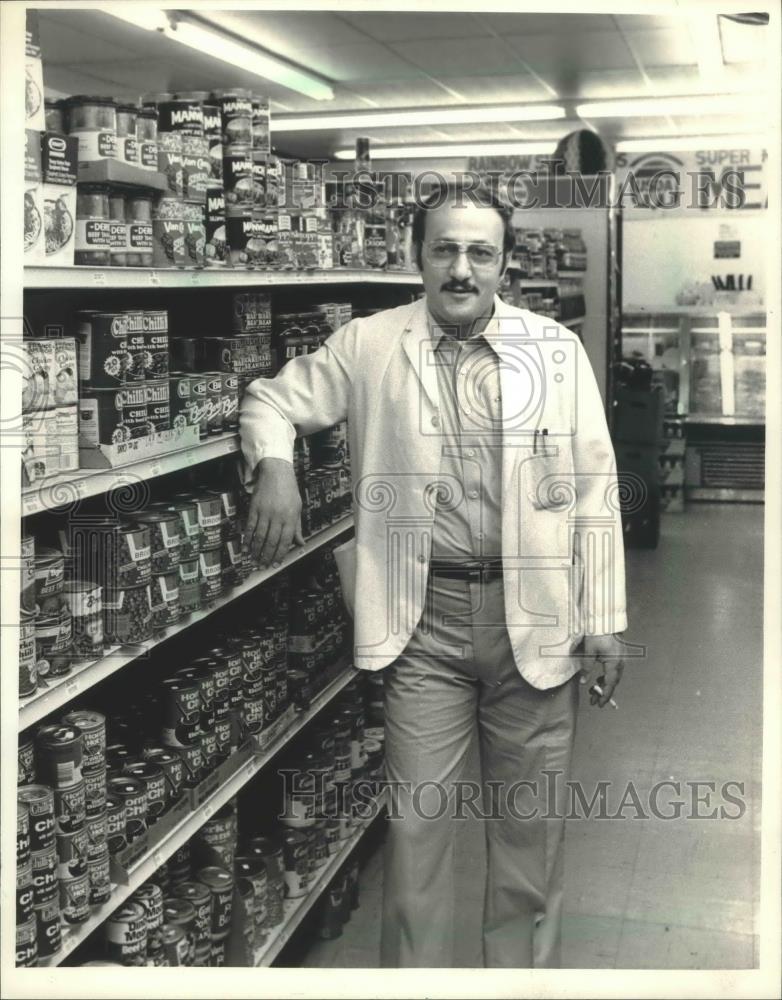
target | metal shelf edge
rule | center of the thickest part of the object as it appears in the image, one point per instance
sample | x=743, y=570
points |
x=138, y=277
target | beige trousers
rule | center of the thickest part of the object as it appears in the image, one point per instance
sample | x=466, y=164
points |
x=458, y=668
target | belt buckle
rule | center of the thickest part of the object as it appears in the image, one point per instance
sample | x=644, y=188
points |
x=473, y=569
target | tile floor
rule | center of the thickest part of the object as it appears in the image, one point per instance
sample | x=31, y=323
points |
x=645, y=894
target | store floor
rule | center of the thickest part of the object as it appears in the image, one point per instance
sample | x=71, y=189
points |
x=678, y=894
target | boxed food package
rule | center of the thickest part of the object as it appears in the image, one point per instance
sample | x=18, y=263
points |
x=34, y=247
x=33, y=75
x=59, y=156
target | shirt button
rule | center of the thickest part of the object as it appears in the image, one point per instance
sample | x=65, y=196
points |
x=473, y=494
x=422, y=558
x=471, y=453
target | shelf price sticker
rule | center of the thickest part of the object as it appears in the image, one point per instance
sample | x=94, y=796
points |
x=99, y=278
x=72, y=688
x=154, y=278
x=32, y=503
x=156, y=467
x=195, y=278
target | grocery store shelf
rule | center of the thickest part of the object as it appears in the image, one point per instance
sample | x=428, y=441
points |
x=694, y=419
x=85, y=676
x=733, y=310
x=710, y=494
x=295, y=910
x=145, y=277
x=73, y=936
x=74, y=486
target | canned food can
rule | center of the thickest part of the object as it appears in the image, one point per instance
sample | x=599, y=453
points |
x=39, y=800
x=22, y=834
x=253, y=868
x=210, y=568
x=49, y=576
x=72, y=851
x=238, y=181
x=53, y=645
x=236, y=112
x=158, y=405
x=165, y=538
x=126, y=934
x=133, y=795
x=116, y=823
x=25, y=773
x=181, y=913
x=175, y=945
x=24, y=893
x=181, y=115
x=181, y=710
x=217, y=954
x=150, y=896
x=179, y=864
x=28, y=659
x=216, y=842
x=99, y=875
x=296, y=857
x=164, y=594
x=92, y=726
x=230, y=401
x=44, y=868
x=49, y=928
x=199, y=897
x=127, y=615
x=172, y=767
x=221, y=887
x=27, y=945
x=27, y=574
x=209, y=520
x=214, y=402
x=153, y=779
x=193, y=762
x=70, y=808
x=102, y=339
x=97, y=833
x=59, y=752
x=189, y=528
x=83, y=599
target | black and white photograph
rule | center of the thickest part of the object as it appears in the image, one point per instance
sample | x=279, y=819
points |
x=390, y=436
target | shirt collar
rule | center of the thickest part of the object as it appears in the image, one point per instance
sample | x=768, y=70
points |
x=489, y=334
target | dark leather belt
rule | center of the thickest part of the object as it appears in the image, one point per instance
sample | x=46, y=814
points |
x=473, y=570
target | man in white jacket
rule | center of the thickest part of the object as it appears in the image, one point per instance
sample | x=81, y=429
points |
x=487, y=569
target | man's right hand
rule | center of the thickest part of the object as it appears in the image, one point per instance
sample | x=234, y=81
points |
x=274, y=515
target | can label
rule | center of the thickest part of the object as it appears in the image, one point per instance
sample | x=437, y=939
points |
x=72, y=852
x=49, y=928
x=28, y=662
x=24, y=893
x=95, y=793
x=150, y=896
x=44, y=871
x=26, y=945
x=193, y=761
x=96, y=828
x=70, y=808
x=99, y=873
x=22, y=834
x=75, y=898
x=126, y=932
x=26, y=763
x=40, y=803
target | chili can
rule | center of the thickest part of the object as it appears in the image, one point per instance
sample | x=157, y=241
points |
x=27, y=574
x=70, y=808
x=172, y=767
x=158, y=406
x=153, y=779
x=27, y=944
x=96, y=828
x=99, y=874
x=92, y=726
x=39, y=801
x=44, y=869
x=72, y=851
x=192, y=760
x=49, y=577
x=133, y=795
x=24, y=893
x=126, y=934
x=59, y=752
x=116, y=823
x=22, y=833
x=49, y=928
x=75, y=898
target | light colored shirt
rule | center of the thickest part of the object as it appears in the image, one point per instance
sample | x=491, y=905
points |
x=468, y=515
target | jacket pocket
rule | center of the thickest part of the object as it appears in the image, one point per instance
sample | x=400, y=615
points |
x=345, y=558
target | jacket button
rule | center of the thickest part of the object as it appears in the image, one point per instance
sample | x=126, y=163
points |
x=435, y=421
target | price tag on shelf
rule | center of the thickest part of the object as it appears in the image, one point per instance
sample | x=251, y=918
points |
x=72, y=688
x=99, y=278
x=154, y=278
x=208, y=810
x=195, y=278
x=156, y=467
x=191, y=456
x=250, y=768
x=32, y=503
x=158, y=859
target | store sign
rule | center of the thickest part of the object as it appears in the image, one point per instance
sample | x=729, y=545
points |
x=702, y=180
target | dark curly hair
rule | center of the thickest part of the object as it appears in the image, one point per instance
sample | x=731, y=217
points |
x=462, y=191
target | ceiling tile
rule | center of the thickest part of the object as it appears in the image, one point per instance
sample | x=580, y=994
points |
x=403, y=93
x=649, y=22
x=572, y=52
x=603, y=83
x=544, y=24
x=498, y=89
x=403, y=26
x=287, y=33
x=478, y=56
x=663, y=47
x=73, y=41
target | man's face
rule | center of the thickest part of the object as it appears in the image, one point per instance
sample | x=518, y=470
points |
x=460, y=292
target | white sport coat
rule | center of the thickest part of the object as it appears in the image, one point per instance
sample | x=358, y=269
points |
x=561, y=527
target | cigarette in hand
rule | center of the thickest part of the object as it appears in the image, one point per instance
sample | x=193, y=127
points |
x=599, y=692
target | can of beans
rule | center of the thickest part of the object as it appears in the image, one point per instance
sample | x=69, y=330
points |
x=27, y=945
x=221, y=887
x=209, y=519
x=232, y=561
x=158, y=407
x=127, y=615
x=253, y=868
x=173, y=770
x=92, y=726
x=165, y=538
x=49, y=928
x=164, y=594
x=181, y=913
x=83, y=599
x=230, y=401
x=116, y=823
x=295, y=846
x=133, y=795
x=39, y=801
x=175, y=946
x=59, y=751
x=44, y=869
x=199, y=897
x=22, y=834
x=28, y=660
x=96, y=829
x=24, y=892
x=214, y=402
x=150, y=896
x=49, y=578
x=53, y=644
x=72, y=849
x=126, y=934
x=211, y=574
x=153, y=779
x=99, y=875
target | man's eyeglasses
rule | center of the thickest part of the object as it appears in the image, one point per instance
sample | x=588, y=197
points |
x=439, y=253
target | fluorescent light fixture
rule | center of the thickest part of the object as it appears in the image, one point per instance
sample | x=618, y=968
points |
x=428, y=116
x=220, y=46
x=657, y=107
x=139, y=14
x=662, y=143
x=454, y=150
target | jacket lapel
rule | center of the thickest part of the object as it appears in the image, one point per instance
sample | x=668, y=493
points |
x=418, y=345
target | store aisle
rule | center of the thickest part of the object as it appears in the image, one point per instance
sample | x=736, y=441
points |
x=651, y=893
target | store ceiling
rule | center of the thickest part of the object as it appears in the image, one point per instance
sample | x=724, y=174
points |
x=408, y=59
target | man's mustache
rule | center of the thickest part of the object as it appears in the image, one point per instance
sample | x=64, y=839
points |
x=453, y=286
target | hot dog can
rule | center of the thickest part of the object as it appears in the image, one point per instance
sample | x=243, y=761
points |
x=152, y=777
x=199, y=897
x=24, y=893
x=27, y=944
x=49, y=928
x=59, y=751
x=214, y=402
x=97, y=833
x=72, y=853
x=173, y=769
x=39, y=800
x=150, y=896
x=99, y=873
x=44, y=868
x=126, y=934
x=221, y=887
x=70, y=808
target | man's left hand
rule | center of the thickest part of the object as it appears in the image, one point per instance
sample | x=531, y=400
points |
x=603, y=664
